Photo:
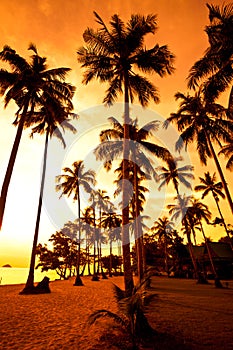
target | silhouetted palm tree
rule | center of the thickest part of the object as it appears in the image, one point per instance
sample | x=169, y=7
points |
x=138, y=147
x=209, y=185
x=175, y=175
x=227, y=150
x=29, y=84
x=111, y=55
x=163, y=228
x=112, y=222
x=179, y=210
x=70, y=183
x=48, y=120
x=215, y=67
x=201, y=211
x=204, y=123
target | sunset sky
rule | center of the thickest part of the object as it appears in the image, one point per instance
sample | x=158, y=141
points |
x=56, y=27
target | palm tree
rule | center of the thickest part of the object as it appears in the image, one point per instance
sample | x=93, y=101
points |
x=70, y=183
x=215, y=67
x=179, y=210
x=90, y=233
x=29, y=84
x=200, y=211
x=163, y=228
x=205, y=123
x=112, y=221
x=227, y=150
x=175, y=175
x=138, y=145
x=209, y=185
x=112, y=56
x=52, y=115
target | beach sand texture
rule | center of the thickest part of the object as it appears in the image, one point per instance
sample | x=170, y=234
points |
x=195, y=316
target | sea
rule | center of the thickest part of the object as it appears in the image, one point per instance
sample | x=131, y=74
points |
x=18, y=275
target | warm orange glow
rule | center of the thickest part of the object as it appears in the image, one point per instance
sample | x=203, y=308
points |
x=56, y=27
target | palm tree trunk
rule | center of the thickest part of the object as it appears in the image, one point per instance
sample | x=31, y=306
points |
x=11, y=164
x=223, y=221
x=190, y=246
x=128, y=277
x=110, y=259
x=228, y=195
x=138, y=226
x=29, y=288
x=166, y=256
x=78, y=281
x=208, y=250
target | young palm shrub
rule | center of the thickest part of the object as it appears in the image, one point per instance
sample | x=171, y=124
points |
x=131, y=316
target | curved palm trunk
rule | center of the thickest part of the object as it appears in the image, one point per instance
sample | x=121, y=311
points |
x=128, y=277
x=223, y=221
x=30, y=288
x=11, y=164
x=78, y=281
x=220, y=172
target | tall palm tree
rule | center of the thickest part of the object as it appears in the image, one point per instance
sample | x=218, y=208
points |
x=163, y=228
x=205, y=123
x=209, y=185
x=90, y=233
x=175, y=175
x=29, y=84
x=112, y=222
x=48, y=120
x=112, y=142
x=179, y=210
x=111, y=55
x=200, y=211
x=102, y=203
x=215, y=67
x=70, y=183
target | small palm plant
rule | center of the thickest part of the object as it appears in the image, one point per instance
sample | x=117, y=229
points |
x=131, y=315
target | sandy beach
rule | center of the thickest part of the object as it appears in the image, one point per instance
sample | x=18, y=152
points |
x=193, y=316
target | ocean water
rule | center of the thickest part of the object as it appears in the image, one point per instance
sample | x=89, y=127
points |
x=18, y=275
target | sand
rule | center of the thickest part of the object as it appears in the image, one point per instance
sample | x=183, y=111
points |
x=195, y=316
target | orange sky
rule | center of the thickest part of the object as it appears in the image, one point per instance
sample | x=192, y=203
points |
x=56, y=27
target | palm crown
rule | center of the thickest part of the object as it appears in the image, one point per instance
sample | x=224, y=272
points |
x=111, y=55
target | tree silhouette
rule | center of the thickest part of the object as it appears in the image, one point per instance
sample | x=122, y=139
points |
x=70, y=183
x=29, y=84
x=116, y=56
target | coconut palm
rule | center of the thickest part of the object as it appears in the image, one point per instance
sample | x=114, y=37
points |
x=204, y=123
x=70, y=183
x=48, y=120
x=209, y=185
x=179, y=211
x=112, y=222
x=90, y=233
x=163, y=228
x=111, y=55
x=215, y=67
x=201, y=211
x=112, y=146
x=175, y=175
x=227, y=150
x=29, y=84
x=102, y=204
